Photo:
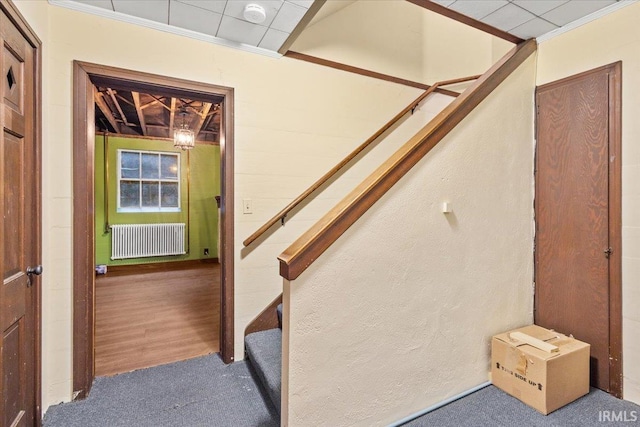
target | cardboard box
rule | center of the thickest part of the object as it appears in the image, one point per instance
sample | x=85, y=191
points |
x=544, y=369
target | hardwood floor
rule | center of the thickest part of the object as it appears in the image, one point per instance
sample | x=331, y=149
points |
x=156, y=317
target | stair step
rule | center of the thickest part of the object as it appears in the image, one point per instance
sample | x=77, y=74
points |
x=279, y=310
x=264, y=350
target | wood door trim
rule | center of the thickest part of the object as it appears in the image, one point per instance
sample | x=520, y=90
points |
x=14, y=15
x=615, y=214
x=85, y=76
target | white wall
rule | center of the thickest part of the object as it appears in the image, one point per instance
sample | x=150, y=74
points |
x=398, y=314
x=609, y=39
x=294, y=121
x=401, y=39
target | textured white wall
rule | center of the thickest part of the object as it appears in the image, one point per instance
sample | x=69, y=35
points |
x=401, y=39
x=610, y=39
x=294, y=121
x=398, y=314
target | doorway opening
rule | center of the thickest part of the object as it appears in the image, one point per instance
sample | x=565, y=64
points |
x=93, y=84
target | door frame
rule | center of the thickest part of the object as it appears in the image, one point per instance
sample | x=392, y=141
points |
x=615, y=214
x=14, y=15
x=85, y=75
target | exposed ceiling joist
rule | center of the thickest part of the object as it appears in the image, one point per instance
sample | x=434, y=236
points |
x=102, y=105
x=172, y=116
x=136, y=102
x=201, y=117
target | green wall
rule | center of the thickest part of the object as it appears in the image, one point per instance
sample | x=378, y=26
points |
x=205, y=185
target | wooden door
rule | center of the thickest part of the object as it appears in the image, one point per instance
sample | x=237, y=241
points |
x=577, y=214
x=19, y=224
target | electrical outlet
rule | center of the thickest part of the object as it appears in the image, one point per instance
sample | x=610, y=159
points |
x=206, y=251
x=247, y=206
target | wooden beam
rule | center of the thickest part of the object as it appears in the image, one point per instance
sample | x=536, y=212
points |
x=102, y=105
x=306, y=19
x=457, y=16
x=202, y=115
x=172, y=116
x=136, y=101
x=123, y=116
x=308, y=247
x=158, y=100
x=363, y=72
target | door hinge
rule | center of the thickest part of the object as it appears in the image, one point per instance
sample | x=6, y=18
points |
x=608, y=252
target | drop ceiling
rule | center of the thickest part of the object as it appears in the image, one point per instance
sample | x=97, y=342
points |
x=222, y=21
x=526, y=18
x=217, y=19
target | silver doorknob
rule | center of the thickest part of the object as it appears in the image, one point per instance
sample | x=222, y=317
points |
x=37, y=270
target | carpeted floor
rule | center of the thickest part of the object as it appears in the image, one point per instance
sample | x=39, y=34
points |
x=197, y=392
x=206, y=392
x=492, y=407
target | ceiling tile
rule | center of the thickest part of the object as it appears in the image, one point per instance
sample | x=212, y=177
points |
x=288, y=17
x=273, y=40
x=154, y=10
x=241, y=31
x=192, y=18
x=235, y=8
x=538, y=7
x=477, y=8
x=444, y=3
x=216, y=6
x=104, y=4
x=534, y=28
x=575, y=9
x=508, y=17
x=304, y=3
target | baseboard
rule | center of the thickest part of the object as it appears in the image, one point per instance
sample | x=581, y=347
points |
x=158, y=266
x=439, y=405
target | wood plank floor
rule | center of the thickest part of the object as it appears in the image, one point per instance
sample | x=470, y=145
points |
x=156, y=317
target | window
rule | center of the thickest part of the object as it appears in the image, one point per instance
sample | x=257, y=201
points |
x=148, y=181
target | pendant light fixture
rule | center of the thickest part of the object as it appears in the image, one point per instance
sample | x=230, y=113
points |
x=184, y=138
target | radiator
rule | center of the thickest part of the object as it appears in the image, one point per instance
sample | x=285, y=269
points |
x=145, y=240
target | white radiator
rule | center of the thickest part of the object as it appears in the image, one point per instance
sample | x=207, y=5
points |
x=145, y=240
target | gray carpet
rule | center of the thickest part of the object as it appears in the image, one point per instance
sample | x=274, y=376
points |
x=492, y=407
x=197, y=392
x=264, y=350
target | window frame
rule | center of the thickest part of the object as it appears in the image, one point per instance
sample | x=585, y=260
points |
x=140, y=180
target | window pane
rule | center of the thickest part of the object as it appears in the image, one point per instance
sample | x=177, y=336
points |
x=129, y=194
x=170, y=195
x=149, y=194
x=129, y=165
x=169, y=167
x=150, y=166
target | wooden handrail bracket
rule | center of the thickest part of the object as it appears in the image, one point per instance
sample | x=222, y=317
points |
x=304, y=251
x=280, y=216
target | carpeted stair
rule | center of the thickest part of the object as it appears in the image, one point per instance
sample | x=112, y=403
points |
x=264, y=352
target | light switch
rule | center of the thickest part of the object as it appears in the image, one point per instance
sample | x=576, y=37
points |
x=446, y=207
x=247, y=206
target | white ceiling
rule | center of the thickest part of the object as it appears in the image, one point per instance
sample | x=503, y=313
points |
x=526, y=18
x=218, y=18
x=221, y=21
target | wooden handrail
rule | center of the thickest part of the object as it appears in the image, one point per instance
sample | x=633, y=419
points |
x=327, y=176
x=297, y=257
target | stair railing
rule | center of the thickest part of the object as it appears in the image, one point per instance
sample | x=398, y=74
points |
x=280, y=216
x=308, y=247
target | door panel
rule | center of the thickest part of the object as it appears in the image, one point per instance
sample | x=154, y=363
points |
x=572, y=214
x=18, y=248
